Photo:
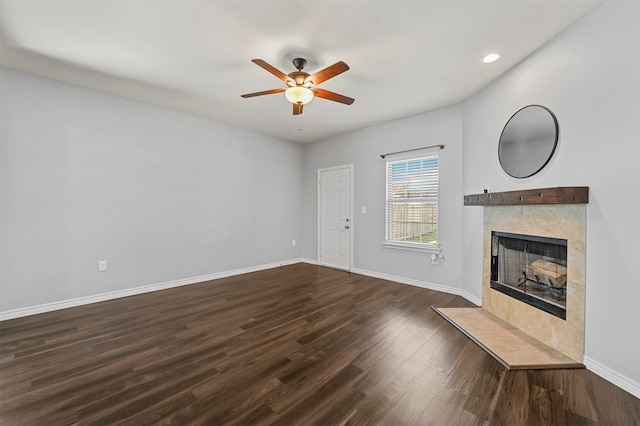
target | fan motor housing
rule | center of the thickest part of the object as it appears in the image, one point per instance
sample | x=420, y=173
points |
x=299, y=77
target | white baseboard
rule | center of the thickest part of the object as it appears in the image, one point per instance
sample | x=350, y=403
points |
x=417, y=283
x=613, y=376
x=601, y=370
x=471, y=298
x=63, y=304
x=409, y=281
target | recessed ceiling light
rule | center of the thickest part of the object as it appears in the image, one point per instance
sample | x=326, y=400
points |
x=491, y=57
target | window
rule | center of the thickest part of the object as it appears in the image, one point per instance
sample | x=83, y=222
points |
x=412, y=203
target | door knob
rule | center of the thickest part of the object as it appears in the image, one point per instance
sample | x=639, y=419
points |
x=346, y=227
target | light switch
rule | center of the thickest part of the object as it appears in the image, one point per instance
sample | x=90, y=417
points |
x=364, y=209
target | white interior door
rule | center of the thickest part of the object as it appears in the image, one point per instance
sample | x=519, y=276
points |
x=335, y=216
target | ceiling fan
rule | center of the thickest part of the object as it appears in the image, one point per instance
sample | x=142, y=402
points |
x=302, y=85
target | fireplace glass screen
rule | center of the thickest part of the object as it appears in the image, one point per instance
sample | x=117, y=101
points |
x=531, y=269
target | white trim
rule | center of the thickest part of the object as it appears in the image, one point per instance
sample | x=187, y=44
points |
x=613, y=376
x=63, y=304
x=416, y=283
x=601, y=370
x=471, y=298
x=409, y=281
x=351, y=218
x=427, y=248
x=396, y=244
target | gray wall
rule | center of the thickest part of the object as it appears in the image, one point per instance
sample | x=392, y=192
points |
x=161, y=195
x=88, y=176
x=362, y=148
x=589, y=77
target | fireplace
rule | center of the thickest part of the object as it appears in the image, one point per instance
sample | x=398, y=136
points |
x=531, y=269
x=562, y=222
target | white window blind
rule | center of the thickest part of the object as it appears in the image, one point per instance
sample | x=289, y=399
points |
x=412, y=202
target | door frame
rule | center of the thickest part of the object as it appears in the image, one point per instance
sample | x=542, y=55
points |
x=351, y=218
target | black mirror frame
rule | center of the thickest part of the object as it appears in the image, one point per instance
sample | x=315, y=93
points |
x=553, y=150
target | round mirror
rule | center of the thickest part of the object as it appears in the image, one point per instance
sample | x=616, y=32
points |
x=528, y=141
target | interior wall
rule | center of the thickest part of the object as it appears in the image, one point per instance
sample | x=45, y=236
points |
x=160, y=195
x=362, y=148
x=589, y=76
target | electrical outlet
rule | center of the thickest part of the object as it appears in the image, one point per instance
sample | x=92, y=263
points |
x=102, y=265
x=293, y=242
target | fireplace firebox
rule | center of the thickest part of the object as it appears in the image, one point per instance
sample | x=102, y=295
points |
x=531, y=269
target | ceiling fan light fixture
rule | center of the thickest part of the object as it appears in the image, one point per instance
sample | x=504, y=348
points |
x=301, y=84
x=299, y=95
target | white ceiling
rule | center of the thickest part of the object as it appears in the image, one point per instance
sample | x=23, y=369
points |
x=406, y=57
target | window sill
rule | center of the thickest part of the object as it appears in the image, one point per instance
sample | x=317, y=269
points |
x=425, y=248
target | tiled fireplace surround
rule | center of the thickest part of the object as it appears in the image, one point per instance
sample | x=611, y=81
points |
x=566, y=221
x=555, y=220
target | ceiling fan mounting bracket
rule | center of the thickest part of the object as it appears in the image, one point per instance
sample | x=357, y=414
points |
x=299, y=63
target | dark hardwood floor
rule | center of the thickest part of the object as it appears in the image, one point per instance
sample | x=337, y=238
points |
x=299, y=344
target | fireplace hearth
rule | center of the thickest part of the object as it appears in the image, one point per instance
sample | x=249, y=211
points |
x=531, y=269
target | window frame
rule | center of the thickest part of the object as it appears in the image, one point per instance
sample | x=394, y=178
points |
x=404, y=245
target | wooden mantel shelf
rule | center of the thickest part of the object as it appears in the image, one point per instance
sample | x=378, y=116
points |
x=556, y=195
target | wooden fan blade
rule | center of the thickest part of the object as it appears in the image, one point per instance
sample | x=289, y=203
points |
x=332, y=96
x=266, y=92
x=297, y=109
x=273, y=70
x=327, y=73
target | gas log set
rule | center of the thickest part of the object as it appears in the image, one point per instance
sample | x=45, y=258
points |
x=532, y=269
